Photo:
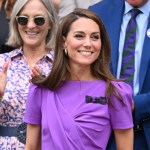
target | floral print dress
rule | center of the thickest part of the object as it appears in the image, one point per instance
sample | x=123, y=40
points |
x=13, y=104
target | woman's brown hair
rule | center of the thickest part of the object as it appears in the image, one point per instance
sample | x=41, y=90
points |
x=100, y=68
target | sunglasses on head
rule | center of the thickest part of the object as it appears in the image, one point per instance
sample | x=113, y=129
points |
x=23, y=20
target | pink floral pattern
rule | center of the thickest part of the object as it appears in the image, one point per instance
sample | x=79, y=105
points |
x=12, y=106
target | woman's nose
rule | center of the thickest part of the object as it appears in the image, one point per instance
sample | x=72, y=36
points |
x=87, y=42
x=31, y=23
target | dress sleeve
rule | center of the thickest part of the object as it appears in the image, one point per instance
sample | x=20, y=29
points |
x=33, y=105
x=121, y=115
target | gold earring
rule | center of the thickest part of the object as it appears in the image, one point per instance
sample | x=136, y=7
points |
x=66, y=51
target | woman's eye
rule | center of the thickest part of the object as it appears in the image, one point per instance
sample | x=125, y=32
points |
x=95, y=37
x=78, y=36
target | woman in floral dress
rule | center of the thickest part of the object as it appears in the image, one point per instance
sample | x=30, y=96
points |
x=33, y=24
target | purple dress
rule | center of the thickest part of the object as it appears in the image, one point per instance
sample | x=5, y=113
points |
x=69, y=122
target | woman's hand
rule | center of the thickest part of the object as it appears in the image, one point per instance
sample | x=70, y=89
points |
x=35, y=71
x=3, y=78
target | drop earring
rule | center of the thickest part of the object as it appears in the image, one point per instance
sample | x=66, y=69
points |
x=66, y=51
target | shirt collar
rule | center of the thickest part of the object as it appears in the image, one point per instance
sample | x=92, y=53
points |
x=50, y=54
x=19, y=51
x=144, y=9
x=16, y=52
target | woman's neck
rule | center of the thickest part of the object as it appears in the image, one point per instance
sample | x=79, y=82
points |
x=82, y=73
x=33, y=56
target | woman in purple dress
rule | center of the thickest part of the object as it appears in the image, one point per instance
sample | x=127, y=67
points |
x=80, y=103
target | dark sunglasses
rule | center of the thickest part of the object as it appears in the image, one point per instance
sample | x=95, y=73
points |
x=23, y=20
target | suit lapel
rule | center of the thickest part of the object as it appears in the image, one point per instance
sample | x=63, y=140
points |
x=115, y=13
x=145, y=58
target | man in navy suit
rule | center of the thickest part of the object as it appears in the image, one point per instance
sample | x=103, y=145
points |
x=115, y=15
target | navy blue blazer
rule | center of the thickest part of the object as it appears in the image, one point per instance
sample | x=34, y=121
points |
x=111, y=12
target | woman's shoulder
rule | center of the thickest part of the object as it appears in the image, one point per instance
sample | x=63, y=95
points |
x=123, y=87
x=4, y=56
x=7, y=56
x=35, y=88
x=120, y=84
x=126, y=93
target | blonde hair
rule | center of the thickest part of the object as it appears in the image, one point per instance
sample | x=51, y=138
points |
x=14, y=37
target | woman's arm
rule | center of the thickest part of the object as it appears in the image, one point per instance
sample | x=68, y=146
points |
x=33, y=141
x=124, y=139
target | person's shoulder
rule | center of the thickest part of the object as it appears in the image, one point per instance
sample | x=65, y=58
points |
x=124, y=88
x=104, y=5
x=35, y=88
x=5, y=57
x=10, y=54
x=100, y=4
x=101, y=7
x=121, y=84
x=6, y=48
x=125, y=91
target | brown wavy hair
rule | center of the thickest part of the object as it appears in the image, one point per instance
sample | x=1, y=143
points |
x=100, y=68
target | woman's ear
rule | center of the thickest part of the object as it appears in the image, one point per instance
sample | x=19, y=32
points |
x=64, y=42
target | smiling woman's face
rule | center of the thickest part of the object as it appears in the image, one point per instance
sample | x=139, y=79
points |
x=34, y=35
x=83, y=42
x=137, y=3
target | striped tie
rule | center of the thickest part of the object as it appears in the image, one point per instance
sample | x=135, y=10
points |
x=128, y=68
